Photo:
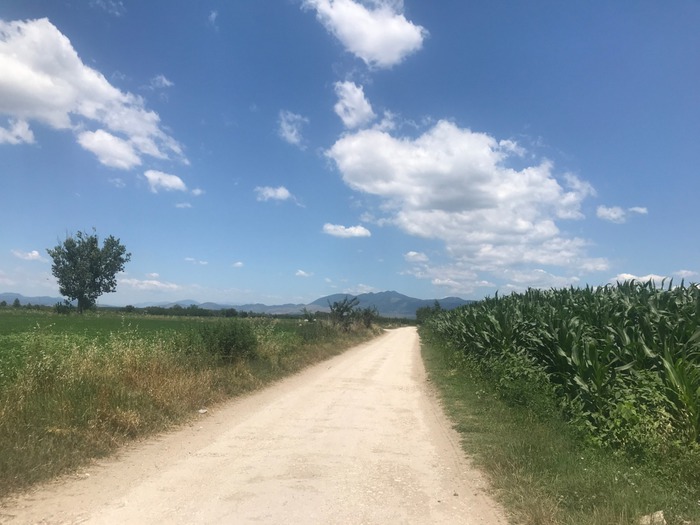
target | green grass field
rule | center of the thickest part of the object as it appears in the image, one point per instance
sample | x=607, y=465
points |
x=96, y=324
x=19, y=327
x=73, y=388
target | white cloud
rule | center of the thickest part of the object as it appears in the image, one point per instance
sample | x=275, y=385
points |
x=109, y=149
x=164, y=181
x=290, y=125
x=213, y=15
x=149, y=284
x=153, y=275
x=388, y=122
x=17, y=133
x=266, y=193
x=113, y=7
x=302, y=273
x=197, y=192
x=415, y=257
x=117, y=182
x=449, y=283
x=34, y=255
x=44, y=80
x=455, y=185
x=686, y=274
x=623, y=277
x=237, y=264
x=458, y=277
x=346, y=231
x=196, y=261
x=360, y=289
x=160, y=82
x=612, y=214
x=352, y=106
x=638, y=209
x=537, y=278
x=183, y=205
x=381, y=36
x=618, y=215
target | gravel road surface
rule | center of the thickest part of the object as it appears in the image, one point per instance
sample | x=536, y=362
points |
x=358, y=439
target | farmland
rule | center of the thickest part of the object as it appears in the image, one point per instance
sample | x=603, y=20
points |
x=615, y=371
x=75, y=387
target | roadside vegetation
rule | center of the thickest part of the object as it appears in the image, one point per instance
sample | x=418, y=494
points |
x=76, y=387
x=583, y=405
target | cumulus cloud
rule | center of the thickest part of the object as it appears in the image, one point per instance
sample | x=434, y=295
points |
x=456, y=185
x=346, y=231
x=352, y=106
x=302, y=273
x=17, y=133
x=611, y=214
x=290, y=125
x=109, y=149
x=458, y=277
x=415, y=257
x=617, y=214
x=33, y=255
x=157, y=180
x=686, y=274
x=238, y=264
x=45, y=81
x=266, y=193
x=379, y=35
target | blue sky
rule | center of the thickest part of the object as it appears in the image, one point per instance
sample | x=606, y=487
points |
x=281, y=150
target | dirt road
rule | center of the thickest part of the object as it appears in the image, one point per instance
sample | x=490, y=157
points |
x=358, y=439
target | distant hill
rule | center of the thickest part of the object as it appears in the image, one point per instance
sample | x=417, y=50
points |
x=388, y=304
x=9, y=298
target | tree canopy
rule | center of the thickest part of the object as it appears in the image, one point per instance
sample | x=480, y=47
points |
x=84, y=270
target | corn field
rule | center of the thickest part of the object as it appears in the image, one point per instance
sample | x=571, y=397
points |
x=622, y=362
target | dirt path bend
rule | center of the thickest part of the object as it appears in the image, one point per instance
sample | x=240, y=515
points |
x=358, y=439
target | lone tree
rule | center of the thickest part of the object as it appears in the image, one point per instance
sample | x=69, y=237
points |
x=84, y=270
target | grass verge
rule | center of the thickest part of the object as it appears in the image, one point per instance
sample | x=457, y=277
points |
x=69, y=398
x=542, y=472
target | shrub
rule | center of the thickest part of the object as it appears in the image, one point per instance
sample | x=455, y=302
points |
x=230, y=339
x=63, y=308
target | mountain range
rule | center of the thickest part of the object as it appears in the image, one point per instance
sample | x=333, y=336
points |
x=388, y=304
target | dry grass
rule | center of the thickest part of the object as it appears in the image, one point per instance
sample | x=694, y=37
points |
x=76, y=398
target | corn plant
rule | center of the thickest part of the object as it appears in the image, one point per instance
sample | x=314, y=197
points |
x=617, y=357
